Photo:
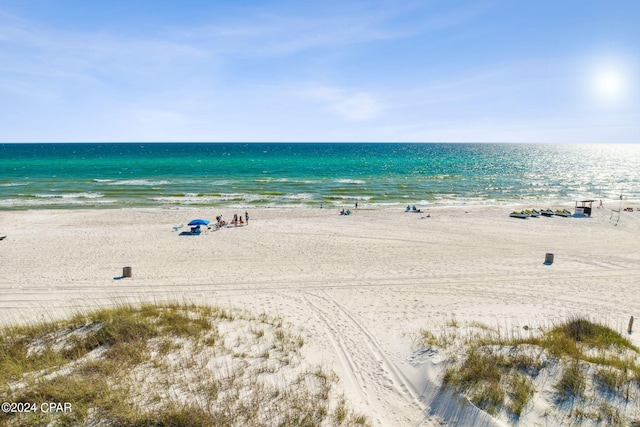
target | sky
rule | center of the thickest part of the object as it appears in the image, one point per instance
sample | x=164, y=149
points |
x=540, y=71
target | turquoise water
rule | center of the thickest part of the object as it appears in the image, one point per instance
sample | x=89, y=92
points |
x=49, y=176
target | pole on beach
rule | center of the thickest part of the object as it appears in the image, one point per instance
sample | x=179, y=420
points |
x=630, y=329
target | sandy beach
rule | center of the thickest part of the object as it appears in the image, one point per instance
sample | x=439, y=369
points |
x=360, y=287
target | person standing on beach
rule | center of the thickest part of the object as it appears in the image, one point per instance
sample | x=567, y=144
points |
x=246, y=217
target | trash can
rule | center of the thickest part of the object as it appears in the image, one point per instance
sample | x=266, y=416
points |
x=548, y=259
x=126, y=272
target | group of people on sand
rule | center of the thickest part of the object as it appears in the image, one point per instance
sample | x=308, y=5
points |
x=236, y=221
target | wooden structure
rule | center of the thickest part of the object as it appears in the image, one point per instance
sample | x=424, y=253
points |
x=584, y=208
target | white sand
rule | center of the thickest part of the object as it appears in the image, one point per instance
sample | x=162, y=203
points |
x=361, y=286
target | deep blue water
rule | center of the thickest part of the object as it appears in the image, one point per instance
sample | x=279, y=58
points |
x=303, y=175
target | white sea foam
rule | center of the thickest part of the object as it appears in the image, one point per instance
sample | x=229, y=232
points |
x=262, y=199
x=231, y=196
x=193, y=198
x=43, y=202
x=69, y=196
x=295, y=181
x=351, y=181
x=271, y=180
x=14, y=184
x=139, y=182
x=300, y=196
x=359, y=198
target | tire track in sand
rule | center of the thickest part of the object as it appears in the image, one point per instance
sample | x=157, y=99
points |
x=339, y=346
x=372, y=373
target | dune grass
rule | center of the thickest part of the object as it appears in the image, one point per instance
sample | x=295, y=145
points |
x=498, y=372
x=167, y=365
x=572, y=382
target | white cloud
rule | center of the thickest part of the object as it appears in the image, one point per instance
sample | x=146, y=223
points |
x=273, y=32
x=358, y=106
x=353, y=106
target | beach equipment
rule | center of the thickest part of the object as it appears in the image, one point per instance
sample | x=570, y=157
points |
x=584, y=207
x=548, y=259
x=195, y=227
x=546, y=212
x=562, y=212
x=127, y=272
x=519, y=214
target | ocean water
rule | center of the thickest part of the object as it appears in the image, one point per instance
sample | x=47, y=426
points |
x=118, y=175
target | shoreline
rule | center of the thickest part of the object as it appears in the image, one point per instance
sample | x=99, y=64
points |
x=396, y=206
x=358, y=286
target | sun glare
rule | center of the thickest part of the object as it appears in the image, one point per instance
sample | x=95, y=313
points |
x=611, y=81
x=609, y=84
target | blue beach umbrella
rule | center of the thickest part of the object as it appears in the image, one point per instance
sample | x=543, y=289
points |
x=198, y=222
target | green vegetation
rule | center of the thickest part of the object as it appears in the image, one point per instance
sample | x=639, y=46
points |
x=572, y=383
x=520, y=391
x=498, y=373
x=171, y=364
x=483, y=375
